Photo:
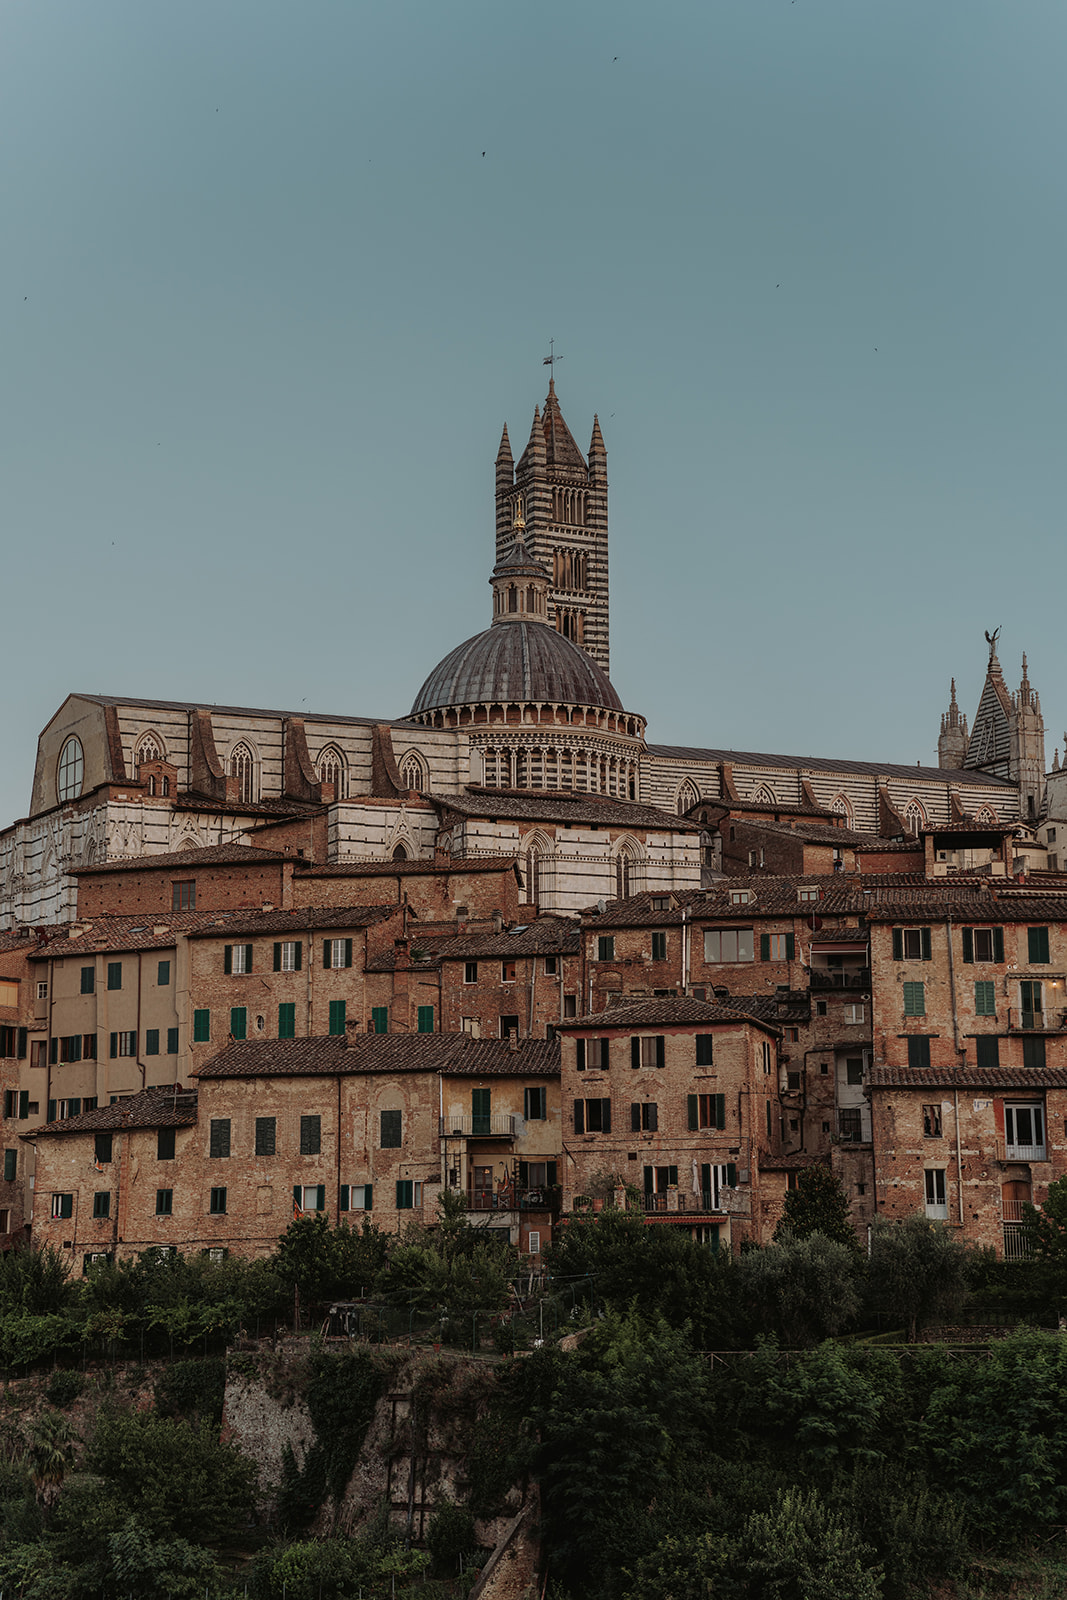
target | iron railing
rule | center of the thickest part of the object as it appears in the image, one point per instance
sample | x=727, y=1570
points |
x=850, y=1125
x=498, y=1125
x=1017, y=1244
x=1031, y=1021
x=1020, y=1152
x=688, y=1202
x=840, y=977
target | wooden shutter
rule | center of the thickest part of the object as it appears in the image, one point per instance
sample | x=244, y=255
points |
x=326, y=952
x=605, y=1053
x=650, y=1180
x=765, y=947
x=348, y=952
x=579, y=1051
x=719, y=1109
x=635, y=1052
x=693, y=1111
x=661, y=1050
x=277, y=958
x=24, y=1104
x=579, y=1116
x=552, y=1179
x=298, y=954
x=924, y=934
x=898, y=944
x=790, y=946
x=51, y=1111
x=368, y=1196
x=731, y=1175
x=114, y=1046
x=653, y=1117
x=705, y=1178
x=968, y=945
x=53, y=1049
x=343, y=1201
x=227, y=958
x=998, y=944
x=248, y=958
x=298, y=1196
x=635, y=1117
x=1037, y=945
x=321, y=1198
x=605, y=1116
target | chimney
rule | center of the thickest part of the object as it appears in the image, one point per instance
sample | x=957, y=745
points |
x=513, y=1041
x=351, y=1029
x=498, y=921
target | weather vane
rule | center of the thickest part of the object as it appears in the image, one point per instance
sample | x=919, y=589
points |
x=551, y=358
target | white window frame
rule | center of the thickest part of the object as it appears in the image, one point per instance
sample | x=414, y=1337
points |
x=534, y=1242
x=360, y=1190
x=42, y=989
x=728, y=946
x=311, y=1189
x=239, y=960
x=855, y=1011
x=337, y=954
x=1014, y=1148
x=935, y=1189
x=288, y=957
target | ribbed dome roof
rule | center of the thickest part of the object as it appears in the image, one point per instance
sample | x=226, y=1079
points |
x=516, y=661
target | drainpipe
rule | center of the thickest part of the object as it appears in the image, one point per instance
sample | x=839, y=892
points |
x=533, y=979
x=959, y=1052
x=685, y=949
x=143, y=1065
x=337, y=1187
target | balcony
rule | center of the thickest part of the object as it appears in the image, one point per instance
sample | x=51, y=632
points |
x=704, y=1201
x=840, y=978
x=1037, y=1021
x=1017, y=1246
x=1020, y=1152
x=850, y=1128
x=1012, y=1210
x=483, y=1200
x=499, y=1125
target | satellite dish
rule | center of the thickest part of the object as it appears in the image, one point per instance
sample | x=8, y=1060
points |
x=602, y=906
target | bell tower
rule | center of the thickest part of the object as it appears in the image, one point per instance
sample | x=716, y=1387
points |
x=563, y=501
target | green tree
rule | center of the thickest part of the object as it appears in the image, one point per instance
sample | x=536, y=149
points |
x=917, y=1271
x=171, y=1476
x=52, y=1441
x=818, y=1204
x=1046, y=1229
x=330, y=1263
x=801, y=1550
x=800, y=1290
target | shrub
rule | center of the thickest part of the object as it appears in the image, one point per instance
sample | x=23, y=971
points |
x=64, y=1387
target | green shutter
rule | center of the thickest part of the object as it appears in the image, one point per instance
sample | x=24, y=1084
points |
x=227, y=958
x=731, y=1175
x=985, y=1003
x=720, y=1110
x=914, y=1000
x=151, y=1042
x=926, y=945
x=172, y=1041
x=326, y=943
x=337, y=1016
x=115, y=1042
x=765, y=947
x=299, y=953
x=425, y=1019
x=277, y=958
x=287, y=1020
x=368, y=1196
x=11, y=1161
x=693, y=1110
x=24, y=1104
x=298, y=1196
x=21, y=1047
x=579, y=1116
x=635, y=1052
x=790, y=946
x=1037, y=945
x=579, y=1055
x=968, y=945
x=238, y=1022
x=51, y=1111
x=201, y=1029
x=163, y=974
x=898, y=944
x=348, y=952
x=321, y=1198
x=248, y=958
x=53, y=1049
x=343, y=1201
x=661, y=1050
x=380, y=1019
x=998, y=944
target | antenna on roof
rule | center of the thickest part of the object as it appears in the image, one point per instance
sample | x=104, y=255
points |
x=551, y=359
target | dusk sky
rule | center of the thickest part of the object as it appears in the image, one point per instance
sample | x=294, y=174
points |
x=274, y=276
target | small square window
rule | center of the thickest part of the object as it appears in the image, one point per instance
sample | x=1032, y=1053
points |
x=507, y=972
x=551, y=966
x=102, y=1203
x=659, y=947
x=164, y=1202
x=114, y=974
x=470, y=972
x=605, y=947
x=218, y=1202
x=183, y=896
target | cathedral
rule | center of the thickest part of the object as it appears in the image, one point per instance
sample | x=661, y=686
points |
x=517, y=745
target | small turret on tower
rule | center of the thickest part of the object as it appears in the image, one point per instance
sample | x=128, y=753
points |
x=952, y=744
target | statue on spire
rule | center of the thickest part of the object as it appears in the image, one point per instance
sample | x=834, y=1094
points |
x=991, y=641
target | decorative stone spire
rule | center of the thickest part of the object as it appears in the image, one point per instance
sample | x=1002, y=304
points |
x=952, y=745
x=598, y=455
x=520, y=582
x=1056, y=759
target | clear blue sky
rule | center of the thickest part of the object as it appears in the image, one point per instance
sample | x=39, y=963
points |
x=274, y=275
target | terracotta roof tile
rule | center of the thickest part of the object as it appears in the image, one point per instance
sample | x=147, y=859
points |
x=448, y=1053
x=152, y=1108
x=676, y=1012
x=874, y=769
x=141, y=932
x=216, y=855
x=300, y=919
x=989, y=1080
x=391, y=869
x=582, y=810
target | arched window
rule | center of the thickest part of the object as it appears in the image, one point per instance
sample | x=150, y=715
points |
x=400, y=853
x=164, y=786
x=151, y=748
x=243, y=768
x=624, y=873
x=765, y=796
x=70, y=772
x=331, y=768
x=841, y=805
x=688, y=795
x=413, y=771
x=914, y=817
x=986, y=814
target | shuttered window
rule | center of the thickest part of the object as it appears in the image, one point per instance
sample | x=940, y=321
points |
x=310, y=1135
x=985, y=1000
x=380, y=1019
x=201, y=1027
x=425, y=1019
x=1037, y=946
x=287, y=1020
x=337, y=953
x=219, y=1137
x=391, y=1128
x=918, y=1051
x=337, y=1016
x=911, y=944
x=266, y=1136
x=238, y=1022
x=914, y=999
x=706, y=1111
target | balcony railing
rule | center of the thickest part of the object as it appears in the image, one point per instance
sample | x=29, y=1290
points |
x=705, y=1201
x=1012, y=1210
x=1020, y=1152
x=840, y=977
x=499, y=1125
x=513, y=1200
x=1017, y=1245
x=1054, y=1021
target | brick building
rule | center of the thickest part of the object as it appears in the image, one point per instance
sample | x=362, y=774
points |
x=353, y=1126
x=677, y=1098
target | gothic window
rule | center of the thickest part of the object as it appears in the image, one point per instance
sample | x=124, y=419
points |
x=400, y=853
x=914, y=816
x=986, y=814
x=413, y=772
x=331, y=769
x=765, y=796
x=70, y=772
x=531, y=594
x=150, y=749
x=534, y=857
x=688, y=795
x=842, y=806
x=243, y=768
x=624, y=873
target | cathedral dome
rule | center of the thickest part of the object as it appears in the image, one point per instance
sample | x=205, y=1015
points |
x=519, y=661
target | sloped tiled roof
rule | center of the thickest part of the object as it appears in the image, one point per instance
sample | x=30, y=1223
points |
x=448, y=1053
x=988, y=1079
x=874, y=769
x=678, y=1011
x=152, y=1108
x=301, y=919
x=216, y=855
x=390, y=869
x=144, y=931
x=582, y=810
